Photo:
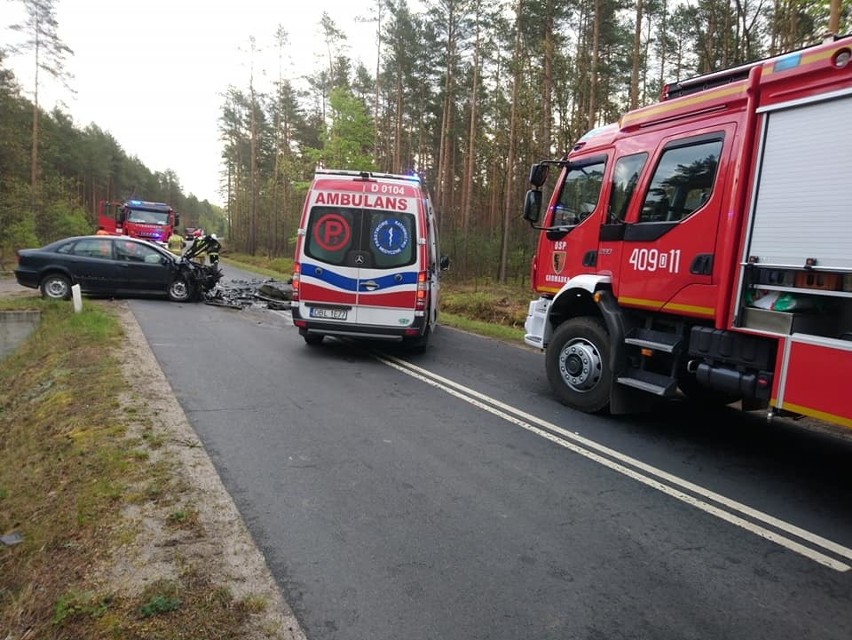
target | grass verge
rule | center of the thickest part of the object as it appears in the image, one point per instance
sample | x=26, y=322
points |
x=78, y=455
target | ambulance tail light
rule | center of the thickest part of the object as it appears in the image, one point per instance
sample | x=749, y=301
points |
x=295, y=282
x=420, y=303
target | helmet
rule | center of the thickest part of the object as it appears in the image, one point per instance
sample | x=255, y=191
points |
x=214, y=236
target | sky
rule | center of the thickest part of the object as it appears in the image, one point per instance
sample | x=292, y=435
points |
x=153, y=72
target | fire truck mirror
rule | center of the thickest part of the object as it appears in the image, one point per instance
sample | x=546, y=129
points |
x=538, y=174
x=122, y=215
x=532, y=206
x=177, y=220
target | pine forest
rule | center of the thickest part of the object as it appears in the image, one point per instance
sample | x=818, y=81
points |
x=465, y=93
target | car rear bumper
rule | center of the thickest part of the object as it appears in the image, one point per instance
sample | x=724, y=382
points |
x=365, y=331
x=27, y=278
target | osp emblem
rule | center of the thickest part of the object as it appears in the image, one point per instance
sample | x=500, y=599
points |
x=558, y=261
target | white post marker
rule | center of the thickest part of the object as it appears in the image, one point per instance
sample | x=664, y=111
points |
x=77, y=297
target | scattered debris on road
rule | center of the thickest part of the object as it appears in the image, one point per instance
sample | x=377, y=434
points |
x=241, y=294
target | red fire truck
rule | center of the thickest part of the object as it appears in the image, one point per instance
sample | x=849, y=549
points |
x=703, y=244
x=152, y=221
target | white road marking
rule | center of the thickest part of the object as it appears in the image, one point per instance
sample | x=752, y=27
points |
x=641, y=472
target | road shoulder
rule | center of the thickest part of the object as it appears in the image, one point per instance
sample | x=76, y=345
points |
x=222, y=545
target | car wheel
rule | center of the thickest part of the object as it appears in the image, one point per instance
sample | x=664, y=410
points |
x=577, y=363
x=180, y=291
x=56, y=287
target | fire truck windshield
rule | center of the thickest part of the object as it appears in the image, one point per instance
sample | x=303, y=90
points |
x=148, y=217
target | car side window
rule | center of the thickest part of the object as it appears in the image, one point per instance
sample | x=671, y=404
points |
x=149, y=255
x=682, y=182
x=93, y=248
x=131, y=251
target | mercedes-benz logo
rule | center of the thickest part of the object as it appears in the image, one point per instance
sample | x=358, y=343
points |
x=359, y=259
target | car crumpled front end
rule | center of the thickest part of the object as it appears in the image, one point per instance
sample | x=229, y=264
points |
x=202, y=278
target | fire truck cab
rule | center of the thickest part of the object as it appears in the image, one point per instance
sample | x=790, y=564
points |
x=704, y=244
x=151, y=221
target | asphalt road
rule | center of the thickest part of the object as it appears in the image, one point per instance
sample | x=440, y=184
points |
x=449, y=496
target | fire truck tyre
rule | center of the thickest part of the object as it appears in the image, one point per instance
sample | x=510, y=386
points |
x=700, y=394
x=180, y=291
x=577, y=362
x=56, y=287
x=313, y=339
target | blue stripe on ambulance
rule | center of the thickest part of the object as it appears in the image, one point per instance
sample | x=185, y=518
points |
x=345, y=283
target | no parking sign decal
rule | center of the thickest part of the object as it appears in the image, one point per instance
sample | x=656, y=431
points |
x=332, y=232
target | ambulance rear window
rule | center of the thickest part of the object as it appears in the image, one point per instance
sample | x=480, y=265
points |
x=368, y=238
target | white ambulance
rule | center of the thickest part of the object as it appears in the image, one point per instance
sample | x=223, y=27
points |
x=367, y=261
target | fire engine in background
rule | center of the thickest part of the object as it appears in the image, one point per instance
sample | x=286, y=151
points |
x=152, y=221
x=705, y=243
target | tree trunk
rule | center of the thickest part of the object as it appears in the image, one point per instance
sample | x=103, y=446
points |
x=547, y=88
x=637, y=54
x=593, y=71
x=510, y=159
x=470, y=165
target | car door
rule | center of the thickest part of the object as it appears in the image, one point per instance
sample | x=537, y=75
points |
x=330, y=264
x=387, y=279
x=90, y=261
x=142, y=268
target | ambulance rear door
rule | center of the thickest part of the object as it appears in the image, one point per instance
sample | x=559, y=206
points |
x=361, y=256
x=391, y=254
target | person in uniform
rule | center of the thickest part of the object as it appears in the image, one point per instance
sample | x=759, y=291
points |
x=176, y=243
x=201, y=257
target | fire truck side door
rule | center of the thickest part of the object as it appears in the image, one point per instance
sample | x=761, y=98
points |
x=669, y=241
x=623, y=190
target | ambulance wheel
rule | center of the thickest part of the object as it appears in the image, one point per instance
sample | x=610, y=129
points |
x=577, y=363
x=418, y=344
x=313, y=339
x=179, y=290
x=699, y=394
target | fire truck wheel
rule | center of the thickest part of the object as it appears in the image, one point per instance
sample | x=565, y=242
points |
x=577, y=362
x=56, y=287
x=180, y=291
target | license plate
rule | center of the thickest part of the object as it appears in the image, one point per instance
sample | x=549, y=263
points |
x=328, y=314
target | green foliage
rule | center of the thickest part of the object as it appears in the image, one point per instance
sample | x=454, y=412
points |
x=160, y=597
x=74, y=603
x=18, y=234
x=350, y=139
x=159, y=604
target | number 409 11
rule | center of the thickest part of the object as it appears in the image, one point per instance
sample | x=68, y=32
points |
x=654, y=260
